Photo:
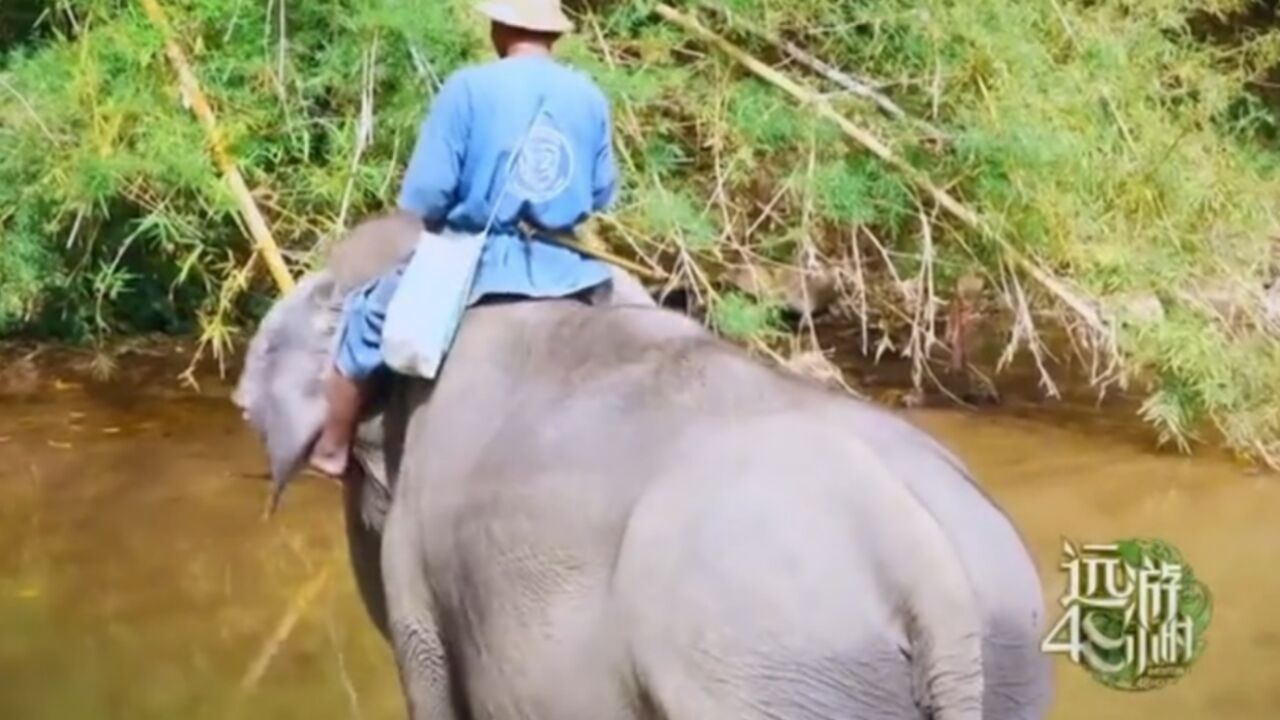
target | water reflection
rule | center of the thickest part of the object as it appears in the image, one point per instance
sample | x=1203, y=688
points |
x=138, y=580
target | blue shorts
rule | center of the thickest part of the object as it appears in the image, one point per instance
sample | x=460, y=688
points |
x=363, y=313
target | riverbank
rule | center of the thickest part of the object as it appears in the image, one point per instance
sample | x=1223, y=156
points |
x=1108, y=170
x=155, y=368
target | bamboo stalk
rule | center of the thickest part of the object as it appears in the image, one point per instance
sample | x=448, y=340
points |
x=823, y=107
x=844, y=80
x=195, y=99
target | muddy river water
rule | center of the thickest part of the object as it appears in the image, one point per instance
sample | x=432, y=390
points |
x=138, y=579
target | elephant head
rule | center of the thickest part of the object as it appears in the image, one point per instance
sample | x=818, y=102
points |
x=280, y=390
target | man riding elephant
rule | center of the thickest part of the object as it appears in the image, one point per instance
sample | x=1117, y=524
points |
x=602, y=511
x=464, y=160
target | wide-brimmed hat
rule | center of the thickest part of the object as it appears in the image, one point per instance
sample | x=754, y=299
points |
x=537, y=15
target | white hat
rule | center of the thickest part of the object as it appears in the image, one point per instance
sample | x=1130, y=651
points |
x=536, y=15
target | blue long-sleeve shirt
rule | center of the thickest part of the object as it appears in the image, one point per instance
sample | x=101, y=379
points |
x=458, y=174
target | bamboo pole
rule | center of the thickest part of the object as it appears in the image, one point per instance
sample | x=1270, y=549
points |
x=195, y=99
x=822, y=107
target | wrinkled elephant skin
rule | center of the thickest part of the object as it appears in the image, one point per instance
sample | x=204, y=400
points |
x=604, y=512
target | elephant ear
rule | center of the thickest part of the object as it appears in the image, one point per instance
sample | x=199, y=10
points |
x=281, y=388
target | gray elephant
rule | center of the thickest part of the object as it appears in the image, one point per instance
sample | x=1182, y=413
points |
x=600, y=510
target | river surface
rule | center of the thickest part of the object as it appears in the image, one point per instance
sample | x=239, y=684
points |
x=138, y=579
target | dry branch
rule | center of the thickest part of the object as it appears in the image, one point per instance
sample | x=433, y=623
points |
x=822, y=107
x=1055, y=286
x=195, y=99
x=844, y=80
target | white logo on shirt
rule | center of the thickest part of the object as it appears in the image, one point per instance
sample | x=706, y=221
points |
x=545, y=165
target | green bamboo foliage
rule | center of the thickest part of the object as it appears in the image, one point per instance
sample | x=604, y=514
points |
x=1115, y=143
x=114, y=217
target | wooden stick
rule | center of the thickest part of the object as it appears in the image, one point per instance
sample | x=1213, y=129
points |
x=822, y=107
x=591, y=245
x=195, y=98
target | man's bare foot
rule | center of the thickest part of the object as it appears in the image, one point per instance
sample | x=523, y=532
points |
x=332, y=450
x=330, y=458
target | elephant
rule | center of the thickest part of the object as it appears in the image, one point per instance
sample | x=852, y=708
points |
x=602, y=510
